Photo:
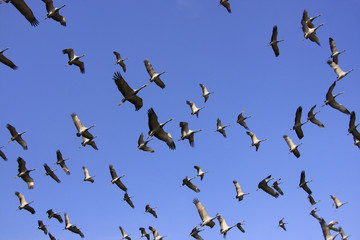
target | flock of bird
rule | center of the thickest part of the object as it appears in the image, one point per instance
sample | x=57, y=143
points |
x=156, y=130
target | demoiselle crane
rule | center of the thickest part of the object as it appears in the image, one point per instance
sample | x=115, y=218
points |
x=274, y=42
x=343, y=235
x=23, y=173
x=352, y=127
x=293, y=148
x=156, y=129
x=23, y=204
x=90, y=142
x=186, y=133
x=313, y=213
x=120, y=60
x=312, y=200
x=255, y=141
x=195, y=233
x=326, y=231
x=51, y=173
x=154, y=76
x=53, y=12
x=309, y=29
x=15, y=136
x=73, y=59
x=332, y=227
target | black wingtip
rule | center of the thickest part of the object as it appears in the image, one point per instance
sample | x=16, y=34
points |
x=34, y=22
x=195, y=201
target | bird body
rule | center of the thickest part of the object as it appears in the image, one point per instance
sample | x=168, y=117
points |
x=116, y=179
x=23, y=204
x=339, y=72
x=194, y=110
x=23, y=173
x=15, y=136
x=255, y=141
x=53, y=12
x=343, y=235
x=71, y=227
x=205, y=218
x=73, y=59
x=292, y=146
x=120, y=61
x=205, y=92
x=186, y=133
x=156, y=129
x=124, y=235
x=154, y=76
x=25, y=10
x=273, y=42
x=308, y=27
x=87, y=175
x=51, y=173
x=224, y=228
x=239, y=193
x=7, y=61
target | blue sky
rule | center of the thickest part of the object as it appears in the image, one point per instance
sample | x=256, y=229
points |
x=194, y=42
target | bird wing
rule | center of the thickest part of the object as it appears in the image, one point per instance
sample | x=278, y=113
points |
x=184, y=128
x=335, y=67
x=222, y=131
x=86, y=172
x=226, y=4
x=192, y=186
x=59, y=155
x=136, y=100
x=118, y=57
x=128, y=200
x=112, y=172
x=306, y=188
x=58, y=217
x=21, y=165
x=149, y=67
x=154, y=231
x=69, y=52
x=201, y=210
x=76, y=230
x=314, y=38
x=49, y=5
x=30, y=209
x=204, y=89
x=122, y=231
x=141, y=139
x=339, y=107
x=64, y=167
x=354, y=131
x=275, y=49
x=238, y=225
x=237, y=187
x=298, y=115
x=153, y=119
x=25, y=11
x=120, y=185
x=218, y=123
x=67, y=220
x=148, y=149
x=21, y=198
x=7, y=62
x=299, y=132
x=79, y=126
x=269, y=190
x=289, y=142
x=329, y=94
x=51, y=237
x=92, y=144
x=277, y=188
x=12, y=130
x=302, y=178
x=22, y=142
x=2, y=155
x=325, y=229
x=274, y=34
x=123, y=66
x=80, y=64
x=152, y=211
x=59, y=18
x=307, y=20
x=122, y=85
x=332, y=46
x=30, y=182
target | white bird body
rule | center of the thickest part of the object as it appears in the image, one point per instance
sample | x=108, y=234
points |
x=334, y=52
x=224, y=228
x=82, y=130
x=123, y=233
x=120, y=60
x=154, y=76
x=186, y=133
x=73, y=59
x=200, y=173
x=87, y=175
x=53, y=12
x=156, y=129
x=205, y=92
x=326, y=231
x=292, y=146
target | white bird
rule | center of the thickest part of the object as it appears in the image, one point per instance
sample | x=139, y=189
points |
x=311, y=117
x=309, y=20
x=224, y=228
x=337, y=202
x=241, y=120
x=292, y=146
x=124, y=235
x=332, y=227
x=339, y=72
x=7, y=61
x=61, y=161
x=330, y=100
x=205, y=218
x=186, y=133
x=334, y=52
x=73, y=59
x=273, y=42
x=156, y=233
x=71, y=227
x=239, y=193
x=87, y=175
x=206, y=93
x=15, y=136
x=156, y=129
x=194, y=110
x=298, y=124
x=220, y=128
x=23, y=204
x=23, y=173
x=142, y=144
x=255, y=141
x=154, y=76
x=200, y=173
x=282, y=224
x=120, y=60
x=53, y=12
x=82, y=130
x=116, y=179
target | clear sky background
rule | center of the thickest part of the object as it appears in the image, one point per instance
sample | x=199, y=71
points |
x=194, y=42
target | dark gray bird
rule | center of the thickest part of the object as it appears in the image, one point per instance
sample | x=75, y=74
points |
x=195, y=233
x=82, y=130
x=154, y=76
x=127, y=199
x=265, y=187
x=282, y=224
x=124, y=235
x=7, y=61
x=239, y=193
x=23, y=204
x=51, y=237
x=53, y=12
x=73, y=59
x=334, y=52
x=205, y=218
x=42, y=227
x=156, y=233
x=51, y=173
x=303, y=183
x=2, y=154
x=15, y=136
x=87, y=176
x=23, y=173
x=311, y=200
x=241, y=120
x=61, y=161
x=313, y=213
x=144, y=233
x=186, y=133
x=128, y=93
x=326, y=231
x=142, y=144
x=120, y=61
x=226, y=4
x=337, y=202
x=330, y=100
x=150, y=210
x=352, y=127
x=200, y=173
x=220, y=128
x=56, y=215
x=205, y=92
x=239, y=226
x=71, y=227
x=311, y=117
x=293, y=148
x=273, y=42
x=187, y=181
x=115, y=179
x=339, y=72
x=194, y=110
x=156, y=129
x=90, y=142
x=298, y=123
x=24, y=9
x=309, y=28
x=254, y=140
x=276, y=184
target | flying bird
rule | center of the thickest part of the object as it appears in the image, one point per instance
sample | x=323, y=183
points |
x=239, y=193
x=15, y=136
x=265, y=187
x=241, y=120
x=7, y=61
x=56, y=215
x=194, y=109
x=71, y=227
x=276, y=184
x=255, y=141
x=120, y=60
x=154, y=76
x=90, y=142
x=309, y=20
x=298, y=123
x=61, y=161
x=292, y=146
x=224, y=228
x=206, y=93
x=53, y=12
x=156, y=129
x=326, y=231
x=142, y=144
x=73, y=59
x=309, y=29
x=332, y=227
x=282, y=224
x=311, y=200
x=313, y=213
x=352, y=127
x=273, y=42
x=220, y=128
x=337, y=202
x=156, y=233
x=200, y=173
x=128, y=93
x=195, y=233
x=343, y=235
x=115, y=179
x=150, y=210
x=144, y=233
x=23, y=173
x=51, y=173
x=187, y=181
x=23, y=204
x=2, y=154
x=339, y=72
x=356, y=142
x=226, y=4
x=311, y=117
x=124, y=235
x=330, y=100
x=42, y=227
x=205, y=218
x=186, y=133
x=87, y=175
x=127, y=199
x=24, y=9
x=303, y=183
x=82, y=131
x=334, y=52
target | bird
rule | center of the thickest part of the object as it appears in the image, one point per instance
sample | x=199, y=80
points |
x=332, y=227
x=23, y=204
x=298, y=123
x=128, y=93
x=226, y=4
x=220, y=128
x=311, y=200
x=311, y=117
x=124, y=235
x=334, y=52
x=292, y=146
x=343, y=235
x=241, y=120
x=154, y=76
x=326, y=231
x=7, y=61
x=313, y=213
x=127, y=199
x=60, y=161
x=187, y=181
x=194, y=109
x=282, y=224
x=51, y=173
x=352, y=127
x=115, y=179
x=15, y=136
x=25, y=10
x=200, y=173
x=53, y=12
x=186, y=133
x=120, y=60
x=309, y=29
x=224, y=228
x=2, y=154
x=330, y=100
x=239, y=193
x=339, y=72
x=205, y=218
x=51, y=237
x=156, y=233
x=205, y=92
x=23, y=173
x=56, y=215
x=273, y=42
x=195, y=233
x=156, y=129
x=337, y=202
x=150, y=210
x=255, y=141
x=42, y=227
x=144, y=233
x=73, y=59
x=71, y=227
x=82, y=131
x=303, y=183
x=90, y=142
x=239, y=226
x=356, y=142
x=276, y=184
x=142, y=144
x=309, y=20
x=265, y=187
x=87, y=175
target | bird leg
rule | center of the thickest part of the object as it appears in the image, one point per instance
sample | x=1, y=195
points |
x=122, y=101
